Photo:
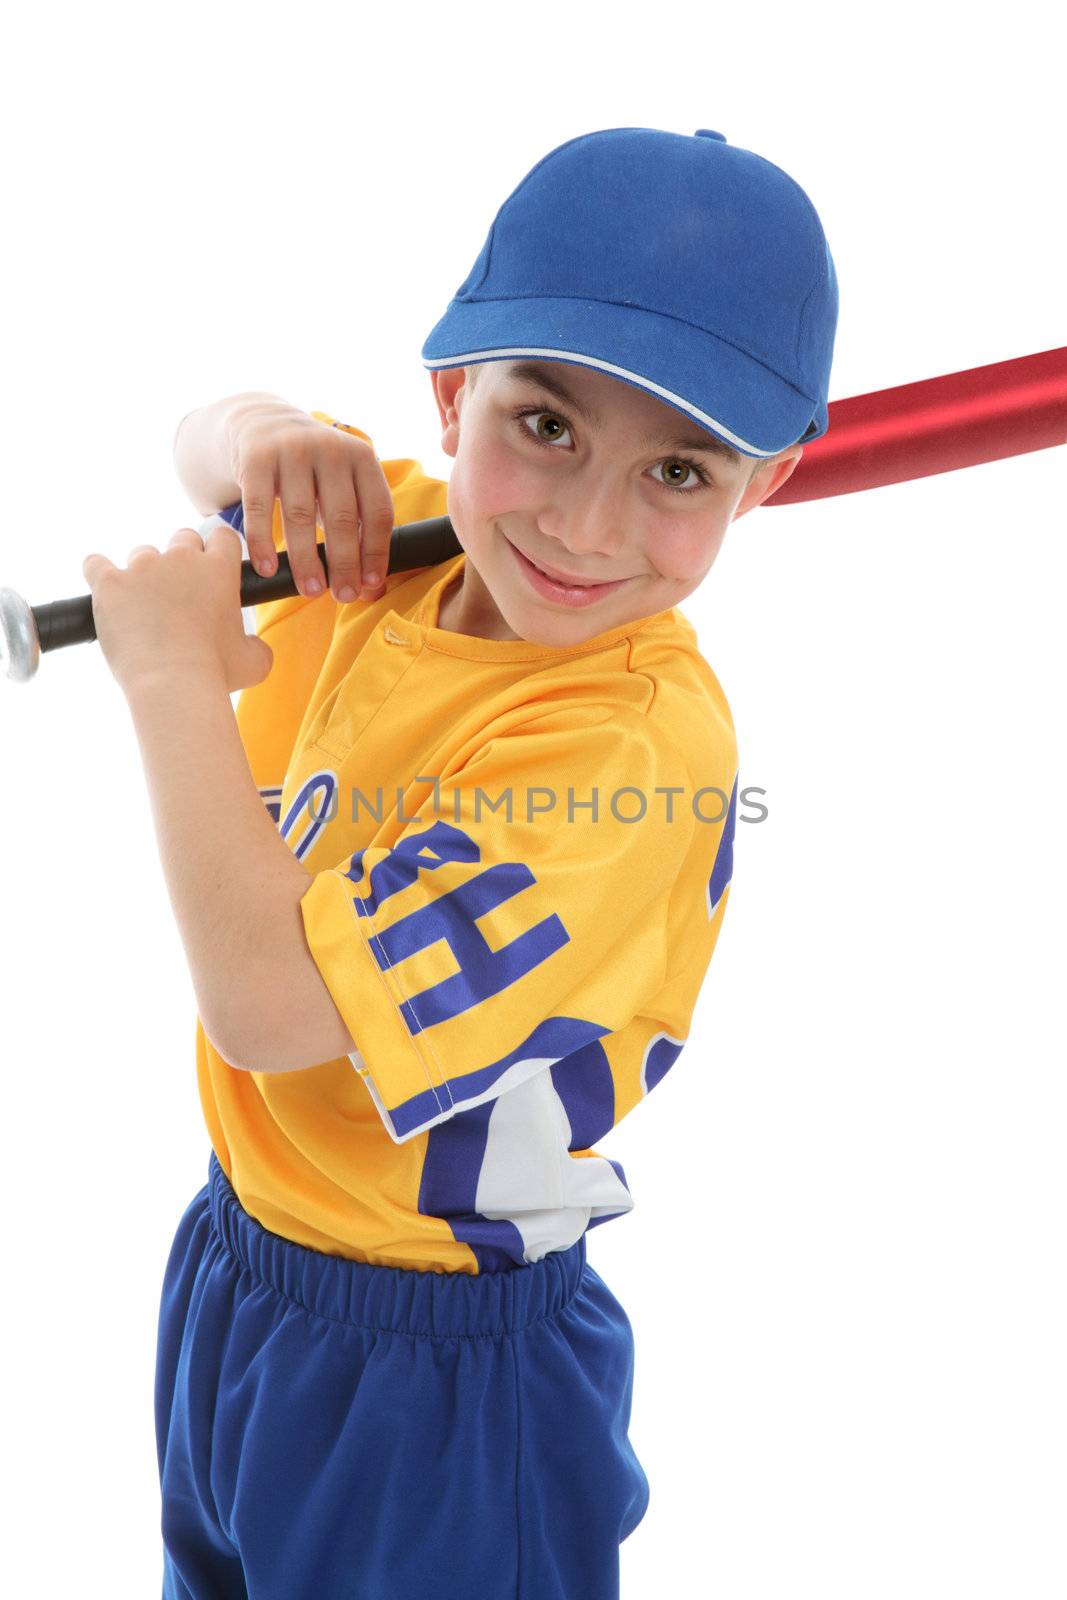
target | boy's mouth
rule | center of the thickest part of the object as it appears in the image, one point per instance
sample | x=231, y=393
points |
x=569, y=593
x=565, y=578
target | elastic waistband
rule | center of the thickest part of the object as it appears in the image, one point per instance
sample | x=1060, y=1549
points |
x=444, y=1305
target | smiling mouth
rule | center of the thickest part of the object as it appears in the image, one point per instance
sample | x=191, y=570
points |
x=559, y=577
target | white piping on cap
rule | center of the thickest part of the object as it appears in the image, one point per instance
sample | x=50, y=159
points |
x=619, y=372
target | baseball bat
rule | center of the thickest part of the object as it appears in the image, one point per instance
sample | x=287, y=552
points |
x=960, y=419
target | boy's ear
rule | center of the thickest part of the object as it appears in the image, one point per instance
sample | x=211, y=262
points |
x=768, y=479
x=447, y=383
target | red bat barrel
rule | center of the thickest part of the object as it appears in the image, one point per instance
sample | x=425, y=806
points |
x=935, y=425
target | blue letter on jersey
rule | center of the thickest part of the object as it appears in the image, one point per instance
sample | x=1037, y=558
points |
x=453, y=917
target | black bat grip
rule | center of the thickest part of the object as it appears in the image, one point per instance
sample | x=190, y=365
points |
x=413, y=545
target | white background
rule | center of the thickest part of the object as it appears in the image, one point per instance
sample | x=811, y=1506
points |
x=845, y=1266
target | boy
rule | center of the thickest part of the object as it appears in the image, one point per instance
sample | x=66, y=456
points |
x=453, y=926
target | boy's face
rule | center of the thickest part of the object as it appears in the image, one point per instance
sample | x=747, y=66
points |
x=603, y=497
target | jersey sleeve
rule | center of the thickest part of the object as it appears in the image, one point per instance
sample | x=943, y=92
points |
x=517, y=909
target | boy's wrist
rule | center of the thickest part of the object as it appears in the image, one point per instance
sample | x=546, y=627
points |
x=248, y=409
x=166, y=678
x=203, y=452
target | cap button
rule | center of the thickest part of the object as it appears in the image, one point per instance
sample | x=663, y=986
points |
x=709, y=133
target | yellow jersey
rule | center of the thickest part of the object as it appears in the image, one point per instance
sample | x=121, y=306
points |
x=519, y=858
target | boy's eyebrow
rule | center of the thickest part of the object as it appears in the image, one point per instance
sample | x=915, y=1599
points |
x=530, y=372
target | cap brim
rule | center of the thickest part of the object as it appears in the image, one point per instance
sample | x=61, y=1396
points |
x=745, y=404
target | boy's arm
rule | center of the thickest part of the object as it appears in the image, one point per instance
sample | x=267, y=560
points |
x=234, y=884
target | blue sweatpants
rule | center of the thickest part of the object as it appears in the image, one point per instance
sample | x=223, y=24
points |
x=330, y=1430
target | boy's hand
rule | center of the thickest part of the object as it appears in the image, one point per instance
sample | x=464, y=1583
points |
x=279, y=452
x=176, y=611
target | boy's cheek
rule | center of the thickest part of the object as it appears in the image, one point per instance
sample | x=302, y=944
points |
x=685, y=555
x=496, y=483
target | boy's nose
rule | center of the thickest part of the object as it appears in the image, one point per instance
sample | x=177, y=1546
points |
x=581, y=536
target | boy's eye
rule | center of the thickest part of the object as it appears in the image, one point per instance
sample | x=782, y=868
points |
x=556, y=420
x=562, y=426
x=690, y=467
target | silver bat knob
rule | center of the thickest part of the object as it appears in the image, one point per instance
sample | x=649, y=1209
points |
x=20, y=648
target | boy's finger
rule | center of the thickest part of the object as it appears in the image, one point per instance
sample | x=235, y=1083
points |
x=376, y=513
x=336, y=491
x=257, y=498
x=296, y=491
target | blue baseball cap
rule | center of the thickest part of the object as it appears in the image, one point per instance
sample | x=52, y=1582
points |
x=682, y=264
